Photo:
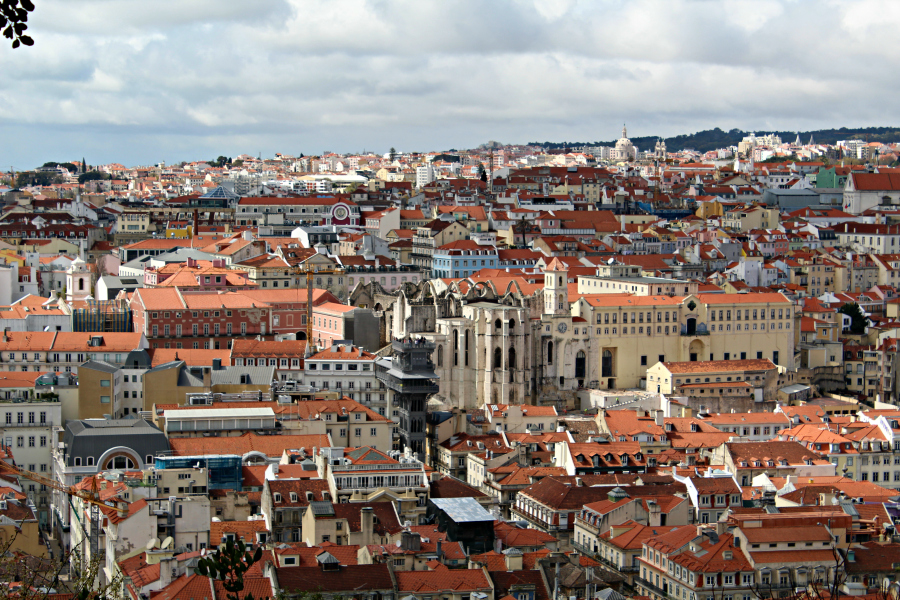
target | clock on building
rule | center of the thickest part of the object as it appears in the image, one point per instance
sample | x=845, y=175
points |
x=340, y=212
x=562, y=327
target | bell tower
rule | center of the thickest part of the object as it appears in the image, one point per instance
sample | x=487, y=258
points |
x=556, y=288
x=78, y=281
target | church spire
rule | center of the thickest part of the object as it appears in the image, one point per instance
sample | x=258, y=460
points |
x=624, y=131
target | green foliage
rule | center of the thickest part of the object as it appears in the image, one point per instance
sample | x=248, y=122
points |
x=13, y=21
x=237, y=163
x=28, y=178
x=66, y=165
x=858, y=320
x=93, y=176
x=450, y=158
x=229, y=564
x=219, y=162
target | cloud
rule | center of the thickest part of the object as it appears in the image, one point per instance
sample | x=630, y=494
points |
x=137, y=82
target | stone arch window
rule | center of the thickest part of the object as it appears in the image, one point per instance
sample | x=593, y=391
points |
x=498, y=358
x=456, y=349
x=498, y=324
x=440, y=356
x=511, y=364
x=80, y=284
x=467, y=349
x=549, y=353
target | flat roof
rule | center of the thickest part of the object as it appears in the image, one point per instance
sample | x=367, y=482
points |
x=463, y=510
x=210, y=413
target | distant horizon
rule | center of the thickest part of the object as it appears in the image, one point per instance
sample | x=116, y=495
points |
x=576, y=143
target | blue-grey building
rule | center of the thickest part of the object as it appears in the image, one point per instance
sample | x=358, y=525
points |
x=461, y=259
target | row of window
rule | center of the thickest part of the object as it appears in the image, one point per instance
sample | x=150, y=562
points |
x=32, y=442
x=353, y=366
x=196, y=313
x=195, y=329
x=32, y=415
x=272, y=362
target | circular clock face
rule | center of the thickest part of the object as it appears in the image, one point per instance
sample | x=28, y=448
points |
x=340, y=213
x=562, y=327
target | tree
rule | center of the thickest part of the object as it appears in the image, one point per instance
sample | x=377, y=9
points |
x=229, y=564
x=481, y=173
x=13, y=21
x=93, y=176
x=393, y=154
x=36, y=576
x=858, y=320
x=28, y=178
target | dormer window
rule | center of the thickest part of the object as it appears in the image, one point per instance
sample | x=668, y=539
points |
x=276, y=497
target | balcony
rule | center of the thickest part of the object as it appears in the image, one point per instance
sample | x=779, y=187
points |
x=649, y=586
x=690, y=329
x=23, y=425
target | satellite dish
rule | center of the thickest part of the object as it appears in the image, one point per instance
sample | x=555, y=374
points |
x=153, y=543
x=168, y=543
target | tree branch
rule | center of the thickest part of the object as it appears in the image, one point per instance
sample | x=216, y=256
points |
x=13, y=21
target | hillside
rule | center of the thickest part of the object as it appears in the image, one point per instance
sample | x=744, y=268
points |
x=711, y=139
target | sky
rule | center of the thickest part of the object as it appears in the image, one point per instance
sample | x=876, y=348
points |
x=143, y=81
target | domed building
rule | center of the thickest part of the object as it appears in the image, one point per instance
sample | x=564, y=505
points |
x=624, y=147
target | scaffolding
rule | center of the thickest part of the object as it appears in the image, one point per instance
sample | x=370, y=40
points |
x=107, y=316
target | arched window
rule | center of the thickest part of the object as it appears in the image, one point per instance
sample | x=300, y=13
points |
x=549, y=353
x=498, y=358
x=512, y=325
x=580, y=364
x=440, y=356
x=467, y=348
x=456, y=349
x=120, y=462
x=81, y=285
x=511, y=364
x=606, y=364
x=498, y=324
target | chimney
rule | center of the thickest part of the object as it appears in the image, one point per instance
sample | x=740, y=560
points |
x=410, y=540
x=659, y=418
x=579, y=482
x=513, y=559
x=167, y=570
x=367, y=525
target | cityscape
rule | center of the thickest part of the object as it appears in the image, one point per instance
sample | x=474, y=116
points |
x=655, y=356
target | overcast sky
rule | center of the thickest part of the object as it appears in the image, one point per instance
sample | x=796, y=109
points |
x=139, y=81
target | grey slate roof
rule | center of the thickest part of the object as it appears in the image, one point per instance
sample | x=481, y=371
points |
x=93, y=437
x=232, y=375
x=100, y=365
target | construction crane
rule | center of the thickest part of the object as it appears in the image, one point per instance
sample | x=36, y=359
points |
x=91, y=497
x=309, y=272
